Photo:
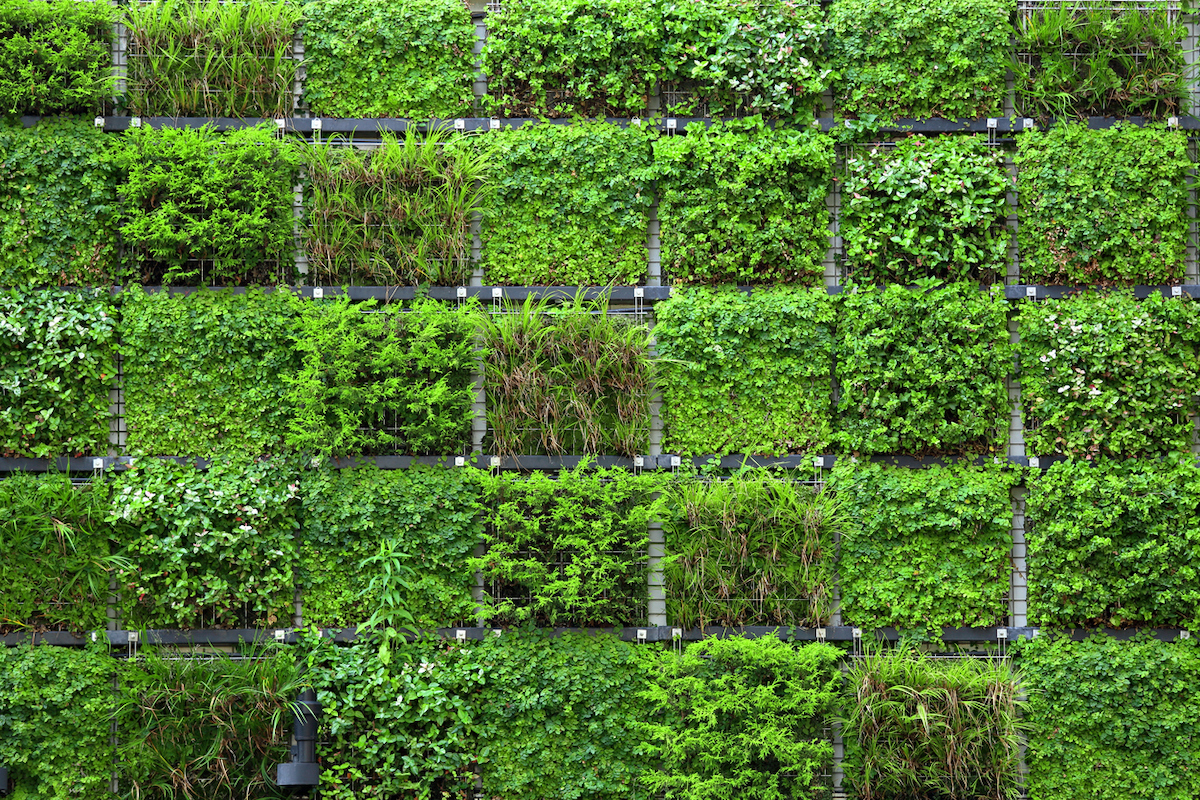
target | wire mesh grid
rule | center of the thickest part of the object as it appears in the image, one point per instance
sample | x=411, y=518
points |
x=118, y=432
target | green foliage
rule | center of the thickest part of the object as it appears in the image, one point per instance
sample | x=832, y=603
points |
x=571, y=549
x=926, y=547
x=58, y=203
x=193, y=725
x=428, y=521
x=55, y=57
x=558, y=714
x=1117, y=717
x=55, y=708
x=202, y=207
x=205, y=372
x=741, y=718
x=1109, y=375
x=396, y=214
x=570, y=205
x=1100, y=59
x=382, y=381
x=398, y=720
x=54, y=559
x=389, y=58
x=922, y=728
x=57, y=362
x=743, y=203
x=922, y=369
x=746, y=372
x=569, y=380
x=926, y=208
x=1103, y=206
x=1115, y=543
x=207, y=549
x=207, y=58
x=743, y=56
x=593, y=58
x=915, y=59
x=756, y=549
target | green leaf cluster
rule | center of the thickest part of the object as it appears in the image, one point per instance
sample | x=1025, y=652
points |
x=207, y=58
x=1104, y=206
x=57, y=363
x=558, y=715
x=54, y=555
x=204, y=372
x=924, y=728
x=746, y=372
x=55, y=57
x=426, y=521
x=909, y=58
x=389, y=58
x=381, y=380
x=566, y=380
x=569, y=206
x=726, y=57
x=398, y=213
x=58, y=203
x=754, y=549
x=55, y=709
x=400, y=721
x=1115, y=543
x=922, y=369
x=1109, y=375
x=741, y=718
x=201, y=207
x=1100, y=59
x=1117, y=717
x=925, y=547
x=570, y=549
x=926, y=207
x=743, y=203
x=206, y=549
x=594, y=58
x=211, y=726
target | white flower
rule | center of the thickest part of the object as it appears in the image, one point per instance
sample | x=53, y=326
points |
x=245, y=528
x=1062, y=389
x=1053, y=354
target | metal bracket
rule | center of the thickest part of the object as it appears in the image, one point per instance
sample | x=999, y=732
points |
x=1028, y=123
x=460, y=124
x=676, y=633
x=1172, y=122
x=821, y=633
x=639, y=291
x=316, y=123
x=672, y=124
x=641, y=635
x=98, y=122
x=133, y=637
x=318, y=293
x=497, y=293
x=992, y=123
x=1001, y=633
x=639, y=461
x=819, y=462
x=460, y=461
x=461, y=292
x=280, y=636
x=97, y=463
x=281, y=125
x=135, y=122
x=636, y=121
x=496, y=632
x=856, y=633
x=494, y=462
x=1033, y=462
x=1176, y=291
x=1185, y=634
x=1031, y=292
x=494, y=124
x=460, y=635
x=675, y=461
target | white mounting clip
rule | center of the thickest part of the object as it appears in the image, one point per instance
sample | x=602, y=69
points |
x=97, y=463
x=856, y=633
x=460, y=124
x=494, y=124
x=461, y=292
x=495, y=462
x=1028, y=124
x=133, y=637
x=992, y=123
x=676, y=633
x=497, y=293
x=280, y=636
x=1172, y=122
x=641, y=635
x=636, y=121
x=318, y=292
x=639, y=291
x=1185, y=634
x=821, y=634
x=496, y=632
x=1001, y=633
x=281, y=124
x=460, y=635
x=675, y=461
x=639, y=461
x=1033, y=462
x=672, y=124
x=1031, y=292
x=98, y=122
x=316, y=123
x=93, y=636
x=460, y=461
x=1176, y=291
x=135, y=122
x=819, y=462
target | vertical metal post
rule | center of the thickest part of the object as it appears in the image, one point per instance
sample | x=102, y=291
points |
x=1019, y=590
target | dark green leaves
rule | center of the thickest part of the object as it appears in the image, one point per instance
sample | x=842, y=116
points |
x=55, y=57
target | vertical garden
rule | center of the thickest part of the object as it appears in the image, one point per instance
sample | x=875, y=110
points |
x=685, y=400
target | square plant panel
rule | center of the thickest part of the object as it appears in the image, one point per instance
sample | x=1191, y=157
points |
x=382, y=381
x=54, y=556
x=55, y=58
x=743, y=203
x=1115, y=543
x=925, y=548
x=206, y=549
x=566, y=380
x=568, y=58
x=58, y=360
x=1109, y=375
x=388, y=546
x=926, y=208
x=736, y=57
x=206, y=208
x=205, y=372
x=754, y=549
x=58, y=205
x=383, y=58
x=915, y=59
x=746, y=372
x=1105, y=206
x=1113, y=715
x=922, y=727
x=922, y=369
x=569, y=205
x=395, y=212
x=1101, y=59
x=568, y=550
x=202, y=58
